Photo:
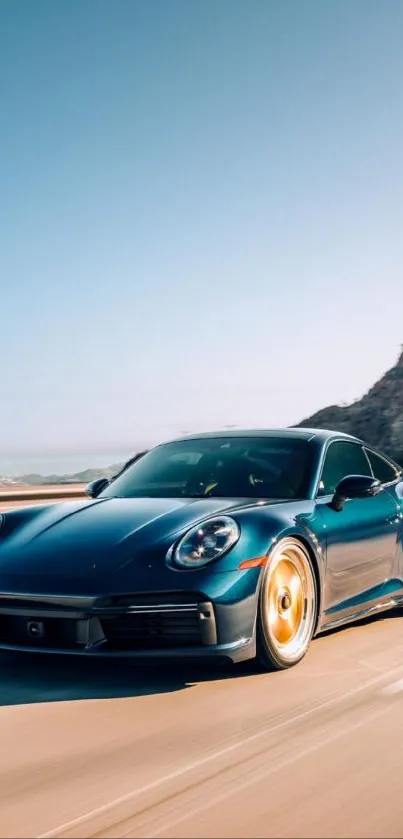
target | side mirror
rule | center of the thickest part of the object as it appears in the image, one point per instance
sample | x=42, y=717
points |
x=94, y=488
x=354, y=486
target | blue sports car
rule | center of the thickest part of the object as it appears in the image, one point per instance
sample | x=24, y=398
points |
x=234, y=545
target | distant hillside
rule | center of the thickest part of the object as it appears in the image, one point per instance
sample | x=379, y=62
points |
x=77, y=478
x=377, y=418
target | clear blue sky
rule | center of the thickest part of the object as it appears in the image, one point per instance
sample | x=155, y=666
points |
x=201, y=213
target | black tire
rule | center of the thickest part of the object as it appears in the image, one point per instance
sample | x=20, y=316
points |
x=287, y=607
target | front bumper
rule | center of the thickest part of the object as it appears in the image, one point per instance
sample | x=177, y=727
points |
x=145, y=627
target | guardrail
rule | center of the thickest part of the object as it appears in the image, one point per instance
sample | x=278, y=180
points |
x=38, y=493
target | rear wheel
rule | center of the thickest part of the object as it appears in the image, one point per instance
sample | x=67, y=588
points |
x=287, y=606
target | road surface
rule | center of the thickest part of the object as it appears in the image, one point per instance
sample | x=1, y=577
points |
x=105, y=749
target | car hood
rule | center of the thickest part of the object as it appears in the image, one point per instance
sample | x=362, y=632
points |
x=105, y=544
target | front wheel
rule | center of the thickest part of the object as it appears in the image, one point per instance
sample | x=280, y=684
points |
x=287, y=606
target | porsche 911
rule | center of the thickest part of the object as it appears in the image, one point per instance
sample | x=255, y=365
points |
x=230, y=545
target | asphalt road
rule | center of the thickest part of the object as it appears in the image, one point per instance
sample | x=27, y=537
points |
x=105, y=749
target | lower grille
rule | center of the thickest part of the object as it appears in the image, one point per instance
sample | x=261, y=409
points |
x=152, y=630
x=44, y=632
x=119, y=627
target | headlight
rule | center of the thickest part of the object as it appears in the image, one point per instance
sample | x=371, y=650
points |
x=206, y=542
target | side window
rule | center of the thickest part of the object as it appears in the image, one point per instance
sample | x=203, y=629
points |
x=382, y=469
x=342, y=459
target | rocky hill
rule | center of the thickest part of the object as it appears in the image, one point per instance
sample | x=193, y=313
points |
x=377, y=418
x=84, y=477
x=34, y=479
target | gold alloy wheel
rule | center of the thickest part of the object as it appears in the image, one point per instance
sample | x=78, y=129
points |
x=288, y=602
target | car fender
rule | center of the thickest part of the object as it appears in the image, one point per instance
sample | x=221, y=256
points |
x=262, y=530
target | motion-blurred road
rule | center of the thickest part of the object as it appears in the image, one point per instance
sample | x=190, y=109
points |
x=97, y=749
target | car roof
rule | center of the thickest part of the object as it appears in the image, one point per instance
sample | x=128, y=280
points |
x=320, y=434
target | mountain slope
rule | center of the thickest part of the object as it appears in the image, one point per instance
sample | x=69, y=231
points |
x=377, y=418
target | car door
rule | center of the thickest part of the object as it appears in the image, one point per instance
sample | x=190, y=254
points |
x=391, y=477
x=360, y=539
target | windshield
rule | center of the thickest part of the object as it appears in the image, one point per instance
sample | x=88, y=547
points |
x=233, y=467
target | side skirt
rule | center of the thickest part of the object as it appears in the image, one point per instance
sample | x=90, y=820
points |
x=370, y=611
